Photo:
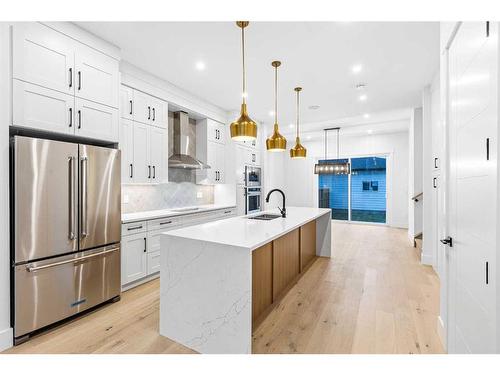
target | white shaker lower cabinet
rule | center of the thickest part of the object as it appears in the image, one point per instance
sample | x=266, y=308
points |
x=134, y=257
x=95, y=120
x=37, y=107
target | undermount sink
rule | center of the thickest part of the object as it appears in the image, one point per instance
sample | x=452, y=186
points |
x=185, y=209
x=265, y=217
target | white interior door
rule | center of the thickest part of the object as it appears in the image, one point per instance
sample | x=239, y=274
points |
x=472, y=206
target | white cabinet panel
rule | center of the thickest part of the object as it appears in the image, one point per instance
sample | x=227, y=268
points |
x=142, y=110
x=127, y=149
x=220, y=162
x=153, y=263
x=43, y=56
x=95, y=120
x=134, y=257
x=159, y=113
x=96, y=77
x=158, y=153
x=154, y=241
x=215, y=131
x=141, y=153
x=126, y=102
x=40, y=108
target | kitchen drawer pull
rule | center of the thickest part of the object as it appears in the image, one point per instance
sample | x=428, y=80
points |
x=166, y=222
x=134, y=228
x=32, y=269
x=227, y=212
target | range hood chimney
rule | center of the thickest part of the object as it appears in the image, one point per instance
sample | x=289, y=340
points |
x=184, y=145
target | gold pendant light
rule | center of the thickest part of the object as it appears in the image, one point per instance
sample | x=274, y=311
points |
x=243, y=129
x=276, y=142
x=298, y=151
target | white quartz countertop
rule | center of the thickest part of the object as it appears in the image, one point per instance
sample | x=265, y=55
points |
x=156, y=214
x=249, y=233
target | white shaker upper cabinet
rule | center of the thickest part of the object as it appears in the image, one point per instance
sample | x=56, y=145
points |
x=37, y=107
x=127, y=149
x=141, y=153
x=43, y=56
x=96, y=77
x=126, y=102
x=95, y=120
x=159, y=115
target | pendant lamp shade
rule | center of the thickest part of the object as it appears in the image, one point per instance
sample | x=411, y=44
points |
x=276, y=142
x=298, y=151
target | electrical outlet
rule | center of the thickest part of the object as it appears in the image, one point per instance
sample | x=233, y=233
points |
x=199, y=194
x=125, y=198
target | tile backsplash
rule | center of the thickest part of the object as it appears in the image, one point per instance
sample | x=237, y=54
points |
x=162, y=196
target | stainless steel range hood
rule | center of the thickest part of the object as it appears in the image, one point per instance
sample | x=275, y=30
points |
x=184, y=145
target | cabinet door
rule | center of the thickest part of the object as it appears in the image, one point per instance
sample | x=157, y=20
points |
x=43, y=56
x=159, y=115
x=127, y=149
x=96, y=76
x=262, y=280
x=158, y=149
x=285, y=262
x=142, y=110
x=134, y=257
x=141, y=153
x=215, y=131
x=307, y=244
x=95, y=120
x=222, y=133
x=126, y=102
x=43, y=109
x=212, y=162
x=154, y=262
x=154, y=240
x=220, y=162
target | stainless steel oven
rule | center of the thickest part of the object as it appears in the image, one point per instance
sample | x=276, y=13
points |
x=253, y=176
x=253, y=200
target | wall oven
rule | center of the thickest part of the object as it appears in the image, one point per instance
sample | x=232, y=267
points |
x=253, y=200
x=253, y=176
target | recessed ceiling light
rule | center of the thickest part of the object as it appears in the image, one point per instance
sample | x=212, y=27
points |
x=314, y=107
x=366, y=115
x=363, y=97
x=370, y=131
x=356, y=68
x=290, y=126
x=200, y=65
x=271, y=113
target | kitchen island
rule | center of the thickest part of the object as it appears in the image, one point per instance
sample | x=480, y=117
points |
x=219, y=279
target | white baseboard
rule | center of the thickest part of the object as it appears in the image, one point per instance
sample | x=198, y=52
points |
x=441, y=330
x=5, y=339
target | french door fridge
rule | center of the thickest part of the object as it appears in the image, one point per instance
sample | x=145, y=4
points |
x=66, y=230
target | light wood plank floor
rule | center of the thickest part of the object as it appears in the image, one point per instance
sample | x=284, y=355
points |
x=373, y=296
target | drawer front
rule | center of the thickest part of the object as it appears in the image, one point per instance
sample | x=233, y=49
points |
x=164, y=223
x=133, y=228
x=154, y=240
x=228, y=212
x=153, y=262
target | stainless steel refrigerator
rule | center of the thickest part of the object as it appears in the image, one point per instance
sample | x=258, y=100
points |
x=66, y=221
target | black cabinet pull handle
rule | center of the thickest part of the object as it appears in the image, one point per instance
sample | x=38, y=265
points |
x=131, y=107
x=487, y=273
x=435, y=162
x=487, y=149
x=70, y=77
x=166, y=222
x=447, y=241
x=154, y=171
x=131, y=170
x=145, y=244
x=434, y=182
x=134, y=228
x=154, y=114
x=70, y=117
x=79, y=119
x=227, y=212
x=149, y=113
x=79, y=80
x=149, y=171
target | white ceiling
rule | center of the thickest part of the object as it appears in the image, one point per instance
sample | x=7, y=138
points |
x=397, y=58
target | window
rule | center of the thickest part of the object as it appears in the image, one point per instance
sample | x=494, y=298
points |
x=360, y=196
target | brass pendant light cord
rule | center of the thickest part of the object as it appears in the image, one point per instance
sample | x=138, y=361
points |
x=297, y=113
x=243, y=59
x=275, y=95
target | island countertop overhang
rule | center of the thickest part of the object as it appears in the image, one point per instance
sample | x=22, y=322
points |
x=246, y=233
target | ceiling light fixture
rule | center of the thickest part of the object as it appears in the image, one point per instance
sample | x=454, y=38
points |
x=338, y=166
x=243, y=128
x=357, y=68
x=366, y=115
x=363, y=97
x=298, y=151
x=276, y=142
x=200, y=65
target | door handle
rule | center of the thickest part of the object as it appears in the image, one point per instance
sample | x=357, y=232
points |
x=149, y=173
x=149, y=113
x=79, y=80
x=154, y=171
x=434, y=182
x=32, y=269
x=154, y=114
x=135, y=228
x=447, y=241
x=71, y=173
x=166, y=222
x=70, y=117
x=131, y=107
x=70, y=77
x=83, y=213
x=145, y=244
x=131, y=170
x=435, y=162
x=79, y=119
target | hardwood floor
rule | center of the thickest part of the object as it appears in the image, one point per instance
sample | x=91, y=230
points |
x=373, y=296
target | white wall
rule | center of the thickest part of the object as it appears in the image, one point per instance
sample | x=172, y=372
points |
x=415, y=169
x=301, y=184
x=5, y=84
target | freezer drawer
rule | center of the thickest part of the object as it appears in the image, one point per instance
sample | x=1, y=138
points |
x=50, y=290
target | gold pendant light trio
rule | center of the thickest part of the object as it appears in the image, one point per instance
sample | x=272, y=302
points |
x=246, y=129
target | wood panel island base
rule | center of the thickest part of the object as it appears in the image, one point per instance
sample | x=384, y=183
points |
x=219, y=280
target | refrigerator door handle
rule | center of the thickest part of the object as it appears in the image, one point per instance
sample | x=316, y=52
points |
x=83, y=189
x=33, y=269
x=71, y=162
